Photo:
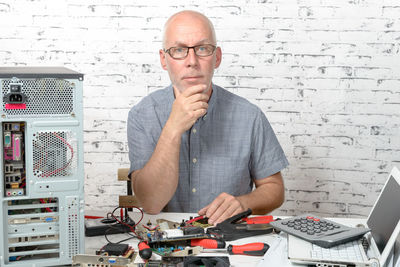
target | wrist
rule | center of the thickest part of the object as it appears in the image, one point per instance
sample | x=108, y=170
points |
x=171, y=133
x=243, y=202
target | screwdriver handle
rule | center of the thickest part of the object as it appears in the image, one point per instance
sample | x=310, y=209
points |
x=208, y=243
x=144, y=250
x=251, y=249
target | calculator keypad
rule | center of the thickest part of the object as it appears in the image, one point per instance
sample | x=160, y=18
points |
x=311, y=225
x=318, y=230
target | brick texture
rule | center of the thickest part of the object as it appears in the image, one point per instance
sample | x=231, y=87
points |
x=326, y=74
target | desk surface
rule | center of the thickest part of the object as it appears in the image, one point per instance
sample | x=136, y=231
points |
x=95, y=243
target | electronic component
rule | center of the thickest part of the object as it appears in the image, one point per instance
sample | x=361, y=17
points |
x=7, y=139
x=115, y=249
x=95, y=227
x=15, y=95
x=17, y=143
x=191, y=230
x=14, y=161
x=104, y=260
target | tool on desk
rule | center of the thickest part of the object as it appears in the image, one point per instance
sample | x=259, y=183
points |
x=208, y=243
x=319, y=231
x=384, y=222
x=250, y=249
x=230, y=229
x=145, y=251
x=259, y=219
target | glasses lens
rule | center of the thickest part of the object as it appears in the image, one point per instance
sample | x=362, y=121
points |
x=200, y=50
x=178, y=52
x=204, y=50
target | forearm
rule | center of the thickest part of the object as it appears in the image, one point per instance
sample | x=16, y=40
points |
x=265, y=198
x=155, y=184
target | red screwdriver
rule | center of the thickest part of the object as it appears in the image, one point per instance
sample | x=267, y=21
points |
x=208, y=243
x=250, y=249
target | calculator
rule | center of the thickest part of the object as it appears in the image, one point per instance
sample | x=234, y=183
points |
x=319, y=231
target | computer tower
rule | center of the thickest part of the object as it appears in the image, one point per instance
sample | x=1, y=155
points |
x=41, y=166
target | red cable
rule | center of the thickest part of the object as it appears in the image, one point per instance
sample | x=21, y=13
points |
x=93, y=217
x=47, y=208
x=130, y=227
x=70, y=160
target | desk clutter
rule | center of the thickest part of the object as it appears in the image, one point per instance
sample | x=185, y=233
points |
x=169, y=243
x=305, y=239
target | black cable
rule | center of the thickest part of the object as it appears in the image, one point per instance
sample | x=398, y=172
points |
x=119, y=229
x=126, y=220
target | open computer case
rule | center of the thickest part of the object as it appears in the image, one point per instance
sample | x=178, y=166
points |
x=41, y=166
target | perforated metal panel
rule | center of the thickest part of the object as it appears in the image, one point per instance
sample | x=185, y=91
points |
x=47, y=96
x=54, y=154
x=73, y=226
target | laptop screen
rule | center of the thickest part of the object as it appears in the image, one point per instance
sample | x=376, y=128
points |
x=385, y=214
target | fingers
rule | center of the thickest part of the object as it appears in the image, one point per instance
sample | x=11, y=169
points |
x=188, y=107
x=203, y=210
x=199, y=105
x=197, y=98
x=222, y=208
x=198, y=113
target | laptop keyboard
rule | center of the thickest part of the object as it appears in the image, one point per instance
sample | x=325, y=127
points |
x=349, y=251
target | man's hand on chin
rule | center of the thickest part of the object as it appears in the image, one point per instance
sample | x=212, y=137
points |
x=223, y=207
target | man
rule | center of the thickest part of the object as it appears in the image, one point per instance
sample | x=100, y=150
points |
x=195, y=147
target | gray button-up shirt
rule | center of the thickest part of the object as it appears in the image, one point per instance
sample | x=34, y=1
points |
x=223, y=151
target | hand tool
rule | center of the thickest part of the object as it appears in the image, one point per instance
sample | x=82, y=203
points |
x=259, y=219
x=250, y=249
x=144, y=250
x=208, y=243
x=230, y=229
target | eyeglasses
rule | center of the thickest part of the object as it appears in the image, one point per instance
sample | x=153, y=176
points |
x=203, y=50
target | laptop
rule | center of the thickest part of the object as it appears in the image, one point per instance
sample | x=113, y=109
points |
x=376, y=246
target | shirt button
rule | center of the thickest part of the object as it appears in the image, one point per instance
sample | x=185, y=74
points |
x=194, y=160
x=194, y=190
x=194, y=130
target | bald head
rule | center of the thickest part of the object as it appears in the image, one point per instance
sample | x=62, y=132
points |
x=186, y=18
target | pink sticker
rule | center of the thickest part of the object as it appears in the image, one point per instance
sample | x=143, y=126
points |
x=15, y=106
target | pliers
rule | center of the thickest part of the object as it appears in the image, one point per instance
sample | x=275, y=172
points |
x=229, y=229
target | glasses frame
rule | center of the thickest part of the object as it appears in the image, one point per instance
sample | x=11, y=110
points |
x=168, y=51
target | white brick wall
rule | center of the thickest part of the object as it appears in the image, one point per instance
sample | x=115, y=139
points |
x=325, y=72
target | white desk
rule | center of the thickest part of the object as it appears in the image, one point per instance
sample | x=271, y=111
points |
x=95, y=243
